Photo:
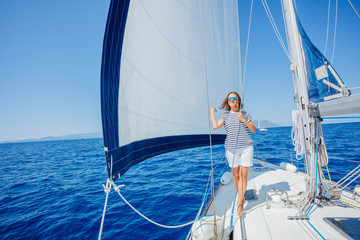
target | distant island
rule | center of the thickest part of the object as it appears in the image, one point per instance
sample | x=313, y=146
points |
x=264, y=123
x=63, y=137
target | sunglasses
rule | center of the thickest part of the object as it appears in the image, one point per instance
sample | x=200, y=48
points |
x=232, y=98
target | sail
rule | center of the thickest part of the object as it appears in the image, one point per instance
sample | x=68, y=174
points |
x=155, y=93
x=323, y=81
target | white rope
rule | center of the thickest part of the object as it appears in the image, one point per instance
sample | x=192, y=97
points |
x=142, y=215
x=354, y=88
x=358, y=175
x=107, y=190
x=297, y=135
x=202, y=205
x=353, y=174
x=344, y=179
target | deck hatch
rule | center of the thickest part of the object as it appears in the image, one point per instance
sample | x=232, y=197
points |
x=349, y=227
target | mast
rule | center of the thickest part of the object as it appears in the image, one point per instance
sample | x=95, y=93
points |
x=301, y=96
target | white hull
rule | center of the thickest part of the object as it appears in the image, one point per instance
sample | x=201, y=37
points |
x=263, y=223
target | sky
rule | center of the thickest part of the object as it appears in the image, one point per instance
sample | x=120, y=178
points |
x=50, y=59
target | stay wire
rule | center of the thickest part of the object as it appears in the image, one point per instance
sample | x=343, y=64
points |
x=208, y=104
x=247, y=49
x=336, y=13
x=273, y=24
x=327, y=27
x=354, y=9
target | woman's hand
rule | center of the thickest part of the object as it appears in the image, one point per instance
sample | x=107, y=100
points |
x=240, y=116
x=215, y=124
x=249, y=124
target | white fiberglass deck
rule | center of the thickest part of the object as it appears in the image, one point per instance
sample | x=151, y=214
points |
x=263, y=223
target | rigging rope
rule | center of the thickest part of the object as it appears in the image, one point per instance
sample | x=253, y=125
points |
x=297, y=135
x=107, y=190
x=117, y=189
x=344, y=179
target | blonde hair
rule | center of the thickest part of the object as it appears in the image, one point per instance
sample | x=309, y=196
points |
x=226, y=105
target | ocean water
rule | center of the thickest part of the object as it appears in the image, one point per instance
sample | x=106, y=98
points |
x=53, y=190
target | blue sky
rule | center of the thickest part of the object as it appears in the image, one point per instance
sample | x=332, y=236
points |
x=51, y=56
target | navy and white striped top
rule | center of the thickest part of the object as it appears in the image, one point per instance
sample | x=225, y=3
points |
x=236, y=129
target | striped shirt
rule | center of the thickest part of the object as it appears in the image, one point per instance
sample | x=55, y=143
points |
x=238, y=135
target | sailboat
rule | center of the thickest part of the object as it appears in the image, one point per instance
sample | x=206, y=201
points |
x=260, y=128
x=161, y=68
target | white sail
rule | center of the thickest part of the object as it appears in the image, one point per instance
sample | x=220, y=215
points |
x=163, y=93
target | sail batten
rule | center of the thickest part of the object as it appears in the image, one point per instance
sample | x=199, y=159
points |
x=153, y=80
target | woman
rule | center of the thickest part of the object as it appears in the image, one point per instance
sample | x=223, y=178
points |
x=238, y=143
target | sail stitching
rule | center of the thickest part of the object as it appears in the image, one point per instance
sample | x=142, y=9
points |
x=156, y=87
x=161, y=120
x=167, y=39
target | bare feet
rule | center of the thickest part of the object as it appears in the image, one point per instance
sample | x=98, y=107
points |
x=239, y=202
x=240, y=210
x=240, y=207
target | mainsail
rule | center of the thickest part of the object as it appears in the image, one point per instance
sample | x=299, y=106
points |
x=155, y=90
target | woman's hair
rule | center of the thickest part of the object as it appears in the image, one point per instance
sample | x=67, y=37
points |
x=225, y=103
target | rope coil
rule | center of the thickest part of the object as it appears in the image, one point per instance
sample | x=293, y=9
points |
x=297, y=135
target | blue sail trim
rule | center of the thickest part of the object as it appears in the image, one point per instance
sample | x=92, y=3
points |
x=124, y=157
x=110, y=71
x=314, y=60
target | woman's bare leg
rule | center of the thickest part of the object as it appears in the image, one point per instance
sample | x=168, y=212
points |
x=236, y=174
x=242, y=185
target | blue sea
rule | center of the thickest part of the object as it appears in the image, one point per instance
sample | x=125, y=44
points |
x=53, y=190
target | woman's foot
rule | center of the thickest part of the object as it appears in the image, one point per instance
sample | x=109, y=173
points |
x=240, y=210
x=239, y=202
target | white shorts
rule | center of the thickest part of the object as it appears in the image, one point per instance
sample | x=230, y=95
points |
x=242, y=157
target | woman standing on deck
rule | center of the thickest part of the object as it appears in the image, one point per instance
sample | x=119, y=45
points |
x=238, y=143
